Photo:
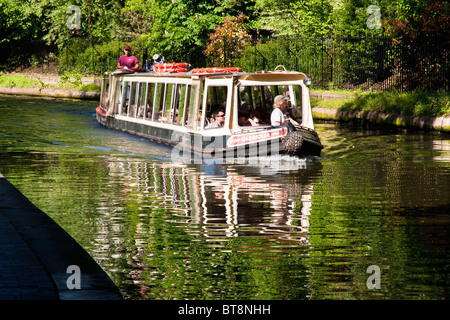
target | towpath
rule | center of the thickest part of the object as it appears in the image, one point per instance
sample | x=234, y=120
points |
x=41, y=261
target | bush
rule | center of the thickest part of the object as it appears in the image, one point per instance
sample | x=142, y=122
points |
x=293, y=53
x=406, y=103
x=18, y=81
x=81, y=57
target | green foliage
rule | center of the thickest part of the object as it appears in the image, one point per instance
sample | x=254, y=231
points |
x=228, y=41
x=179, y=31
x=91, y=87
x=81, y=57
x=20, y=19
x=18, y=81
x=179, y=28
x=97, y=19
x=406, y=103
x=65, y=80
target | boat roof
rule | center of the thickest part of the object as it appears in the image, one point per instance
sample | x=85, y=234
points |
x=254, y=76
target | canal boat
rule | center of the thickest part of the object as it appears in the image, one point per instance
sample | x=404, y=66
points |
x=181, y=107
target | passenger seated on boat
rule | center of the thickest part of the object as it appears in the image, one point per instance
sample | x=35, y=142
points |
x=160, y=117
x=209, y=120
x=175, y=119
x=140, y=112
x=262, y=115
x=255, y=118
x=278, y=117
x=254, y=121
x=132, y=110
x=197, y=123
x=219, y=119
x=242, y=120
x=249, y=119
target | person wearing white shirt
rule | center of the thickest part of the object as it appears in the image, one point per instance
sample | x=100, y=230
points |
x=278, y=118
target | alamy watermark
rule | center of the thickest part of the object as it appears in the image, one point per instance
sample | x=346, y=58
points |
x=373, y=281
x=374, y=20
x=74, y=20
x=74, y=280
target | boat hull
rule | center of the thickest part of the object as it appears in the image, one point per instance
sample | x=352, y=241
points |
x=187, y=145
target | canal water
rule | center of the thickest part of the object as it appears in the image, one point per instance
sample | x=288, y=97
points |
x=369, y=219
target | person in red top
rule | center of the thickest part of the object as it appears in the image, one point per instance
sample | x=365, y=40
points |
x=128, y=61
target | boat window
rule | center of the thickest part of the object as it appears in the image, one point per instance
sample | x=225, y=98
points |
x=124, y=97
x=140, y=104
x=158, y=101
x=104, y=102
x=194, y=116
x=172, y=103
x=133, y=100
x=178, y=98
x=255, y=105
x=147, y=100
x=165, y=113
x=295, y=105
x=216, y=100
x=183, y=103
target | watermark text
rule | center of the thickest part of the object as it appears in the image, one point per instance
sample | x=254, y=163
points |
x=74, y=280
x=373, y=281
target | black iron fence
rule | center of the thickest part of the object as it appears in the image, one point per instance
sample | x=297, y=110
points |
x=367, y=63
x=24, y=54
x=90, y=56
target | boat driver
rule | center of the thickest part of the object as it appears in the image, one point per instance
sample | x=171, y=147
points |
x=278, y=118
x=128, y=61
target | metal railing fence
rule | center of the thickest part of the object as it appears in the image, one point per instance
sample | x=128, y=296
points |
x=366, y=63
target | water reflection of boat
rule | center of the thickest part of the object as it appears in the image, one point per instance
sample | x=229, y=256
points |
x=230, y=201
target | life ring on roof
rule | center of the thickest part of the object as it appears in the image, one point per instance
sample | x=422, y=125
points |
x=171, y=67
x=214, y=70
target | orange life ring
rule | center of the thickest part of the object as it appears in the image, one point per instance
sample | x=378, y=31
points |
x=171, y=67
x=216, y=70
x=172, y=70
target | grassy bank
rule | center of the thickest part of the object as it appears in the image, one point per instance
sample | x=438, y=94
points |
x=62, y=82
x=435, y=104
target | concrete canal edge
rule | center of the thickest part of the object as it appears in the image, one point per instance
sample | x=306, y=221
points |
x=54, y=250
x=426, y=123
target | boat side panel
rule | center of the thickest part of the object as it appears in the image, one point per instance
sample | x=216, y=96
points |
x=189, y=142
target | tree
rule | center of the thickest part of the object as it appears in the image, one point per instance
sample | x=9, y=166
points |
x=420, y=41
x=21, y=29
x=228, y=41
x=97, y=18
x=20, y=19
x=179, y=28
x=312, y=18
